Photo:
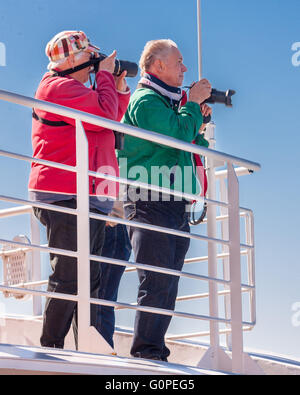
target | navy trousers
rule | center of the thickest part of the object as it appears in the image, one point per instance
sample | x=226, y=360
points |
x=117, y=245
x=155, y=289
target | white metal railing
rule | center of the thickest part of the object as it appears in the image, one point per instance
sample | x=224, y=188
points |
x=231, y=245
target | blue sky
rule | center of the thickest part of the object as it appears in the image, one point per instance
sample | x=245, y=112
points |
x=246, y=47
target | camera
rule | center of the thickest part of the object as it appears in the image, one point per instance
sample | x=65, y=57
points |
x=221, y=97
x=120, y=65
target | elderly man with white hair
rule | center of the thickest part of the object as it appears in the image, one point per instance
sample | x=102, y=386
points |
x=53, y=139
x=160, y=105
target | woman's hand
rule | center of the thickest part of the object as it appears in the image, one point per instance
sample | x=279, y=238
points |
x=108, y=64
x=121, y=84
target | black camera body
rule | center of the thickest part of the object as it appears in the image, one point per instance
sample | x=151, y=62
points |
x=220, y=97
x=120, y=65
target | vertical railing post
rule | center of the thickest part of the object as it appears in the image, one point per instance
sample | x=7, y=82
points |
x=212, y=247
x=214, y=358
x=251, y=263
x=36, y=263
x=226, y=264
x=83, y=237
x=235, y=270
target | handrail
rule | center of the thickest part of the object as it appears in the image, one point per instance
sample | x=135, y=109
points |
x=137, y=224
x=130, y=130
x=234, y=285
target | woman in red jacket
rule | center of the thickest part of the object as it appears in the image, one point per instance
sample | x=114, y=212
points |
x=53, y=139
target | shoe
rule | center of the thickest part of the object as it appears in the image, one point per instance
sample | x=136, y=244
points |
x=153, y=357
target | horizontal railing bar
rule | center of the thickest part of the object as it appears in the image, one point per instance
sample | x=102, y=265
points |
x=46, y=206
x=117, y=220
x=157, y=310
x=12, y=252
x=139, y=266
x=205, y=258
x=57, y=251
x=206, y=295
x=120, y=262
x=155, y=188
x=203, y=334
x=224, y=217
x=24, y=291
x=30, y=159
x=118, y=179
x=246, y=288
x=111, y=178
x=239, y=171
x=247, y=246
x=54, y=207
x=31, y=284
x=158, y=269
x=200, y=259
x=102, y=302
x=10, y=212
x=157, y=228
x=200, y=296
x=123, y=128
x=117, y=262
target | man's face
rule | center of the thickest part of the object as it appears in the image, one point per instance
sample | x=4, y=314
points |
x=174, y=69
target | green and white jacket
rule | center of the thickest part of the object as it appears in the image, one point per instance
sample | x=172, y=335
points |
x=157, y=164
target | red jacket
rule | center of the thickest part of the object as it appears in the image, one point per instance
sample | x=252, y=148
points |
x=57, y=143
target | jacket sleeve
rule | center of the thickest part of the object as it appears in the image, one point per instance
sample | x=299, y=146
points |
x=201, y=140
x=151, y=113
x=124, y=98
x=103, y=101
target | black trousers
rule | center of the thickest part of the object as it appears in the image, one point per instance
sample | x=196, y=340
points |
x=156, y=289
x=62, y=233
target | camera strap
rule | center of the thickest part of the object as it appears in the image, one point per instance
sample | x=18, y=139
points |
x=82, y=66
x=48, y=122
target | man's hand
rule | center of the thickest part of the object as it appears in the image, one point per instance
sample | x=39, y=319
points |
x=205, y=110
x=200, y=91
x=108, y=64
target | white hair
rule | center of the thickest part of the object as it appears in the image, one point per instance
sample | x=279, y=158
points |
x=62, y=62
x=155, y=49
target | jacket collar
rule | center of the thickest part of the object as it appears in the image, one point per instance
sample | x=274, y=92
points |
x=171, y=92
